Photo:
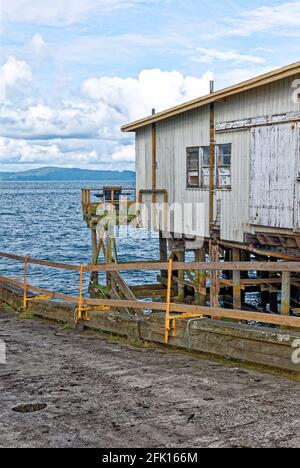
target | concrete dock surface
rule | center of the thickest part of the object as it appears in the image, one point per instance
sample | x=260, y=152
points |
x=89, y=390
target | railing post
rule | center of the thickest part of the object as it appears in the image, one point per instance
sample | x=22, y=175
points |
x=79, y=310
x=89, y=201
x=168, y=308
x=25, y=283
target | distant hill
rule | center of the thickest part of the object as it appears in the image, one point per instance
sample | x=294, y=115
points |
x=65, y=174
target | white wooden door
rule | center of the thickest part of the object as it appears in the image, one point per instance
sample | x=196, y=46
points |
x=297, y=190
x=273, y=175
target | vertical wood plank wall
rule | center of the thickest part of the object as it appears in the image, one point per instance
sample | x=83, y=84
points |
x=190, y=129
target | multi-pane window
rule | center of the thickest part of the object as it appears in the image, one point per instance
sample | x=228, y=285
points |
x=198, y=167
x=205, y=166
x=193, y=168
x=224, y=165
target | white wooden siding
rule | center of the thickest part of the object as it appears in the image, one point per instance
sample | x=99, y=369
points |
x=273, y=176
x=143, y=148
x=272, y=99
x=190, y=129
x=235, y=202
x=297, y=183
x=174, y=136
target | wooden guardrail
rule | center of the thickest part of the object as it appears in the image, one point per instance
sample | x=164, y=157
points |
x=173, y=311
x=88, y=204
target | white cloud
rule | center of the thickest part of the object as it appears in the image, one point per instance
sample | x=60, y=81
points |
x=124, y=154
x=209, y=55
x=134, y=98
x=103, y=106
x=38, y=45
x=60, y=11
x=24, y=154
x=13, y=73
x=86, y=129
x=20, y=151
x=282, y=17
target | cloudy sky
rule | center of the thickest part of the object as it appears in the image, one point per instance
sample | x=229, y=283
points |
x=72, y=72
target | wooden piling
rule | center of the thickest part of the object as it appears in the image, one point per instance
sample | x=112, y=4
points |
x=163, y=252
x=94, y=275
x=200, y=279
x=214, y=276
x=108, y=259
x=236, y=276
x=181, y=276
x=273, y=292
x=286, y=293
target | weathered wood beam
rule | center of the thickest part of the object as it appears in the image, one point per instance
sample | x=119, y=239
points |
x=193, y=266
x=264, y=253
x=219, y=313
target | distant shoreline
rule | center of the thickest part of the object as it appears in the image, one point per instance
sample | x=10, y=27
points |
x=54, y=174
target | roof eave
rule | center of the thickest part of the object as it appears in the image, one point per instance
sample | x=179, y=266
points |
x=261, y=80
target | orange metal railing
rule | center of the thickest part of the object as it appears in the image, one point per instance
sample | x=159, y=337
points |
x=173, y=311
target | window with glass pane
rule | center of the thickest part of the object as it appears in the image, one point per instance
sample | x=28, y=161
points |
x=225, y=155
x=205, y=166
x=224, y=165
x=205, y=156
x=193, y=167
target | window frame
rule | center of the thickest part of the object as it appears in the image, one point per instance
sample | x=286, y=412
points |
x=204, y=166
x=224, y=166
x=201, y=166
x=189, y=151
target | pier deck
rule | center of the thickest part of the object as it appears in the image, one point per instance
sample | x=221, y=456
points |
x=101, y=393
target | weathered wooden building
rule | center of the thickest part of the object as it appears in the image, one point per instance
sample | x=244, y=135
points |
x=238, y=152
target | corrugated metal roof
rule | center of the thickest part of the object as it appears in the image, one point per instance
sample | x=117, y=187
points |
x=261, y=80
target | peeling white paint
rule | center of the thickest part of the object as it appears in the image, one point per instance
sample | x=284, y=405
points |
x=261, y=126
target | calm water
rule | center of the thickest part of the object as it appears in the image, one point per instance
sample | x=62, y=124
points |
x=44, y=220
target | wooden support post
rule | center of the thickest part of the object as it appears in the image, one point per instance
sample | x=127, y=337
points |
x=212, y=146
x=273, y=291
x=237, y=299
x=163, y=252
x=181, y=276
x=245, y=257
x=286, y=293
x=94, y=275
x=215, y=276
x=108, y=258
x=200, y=279
x=168, y=301
x=264, y=292
x=154, y=162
